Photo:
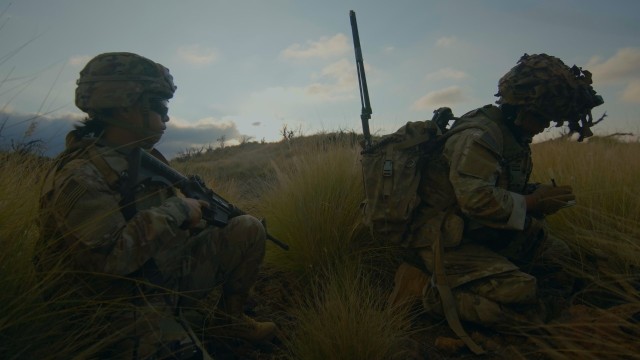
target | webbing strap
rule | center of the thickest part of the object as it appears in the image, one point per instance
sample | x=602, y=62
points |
x=126, y=188
x=387, y=172
x=446, y=295
x=100, y=163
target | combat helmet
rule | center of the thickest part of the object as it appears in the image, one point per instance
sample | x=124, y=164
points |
x=119, y=79
x=545, y=84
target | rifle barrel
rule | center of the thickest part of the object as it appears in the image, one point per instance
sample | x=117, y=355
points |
x=148, y=161
x=223, y=209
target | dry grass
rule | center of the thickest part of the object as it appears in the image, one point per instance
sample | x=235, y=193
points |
x=30, y=326
x=345, y=316
x=313, y=205
x=604, y=230
x=604, y=226
x=310, y=193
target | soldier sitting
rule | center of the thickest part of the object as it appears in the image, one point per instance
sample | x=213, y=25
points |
x=142, y=244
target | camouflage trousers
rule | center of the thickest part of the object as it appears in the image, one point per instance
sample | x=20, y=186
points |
x=500, y=288
x=185, y=274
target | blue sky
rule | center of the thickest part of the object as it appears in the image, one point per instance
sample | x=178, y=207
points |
x=246, y=68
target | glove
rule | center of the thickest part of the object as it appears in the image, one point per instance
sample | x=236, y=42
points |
x=548, y=199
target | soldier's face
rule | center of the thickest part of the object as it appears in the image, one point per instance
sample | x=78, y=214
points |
x=158, y=116
x=150, y=130
x=157, y=126
x=160, y=107
x=531, y=122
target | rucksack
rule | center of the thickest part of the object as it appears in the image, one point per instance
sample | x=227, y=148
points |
x=391, y=170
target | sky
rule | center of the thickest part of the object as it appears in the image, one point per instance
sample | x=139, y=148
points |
x=247, y=69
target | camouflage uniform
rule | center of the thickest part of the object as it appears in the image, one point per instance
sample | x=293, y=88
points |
x=83, y=217
x=473, y=201
x=481, y=253
x=145, y=260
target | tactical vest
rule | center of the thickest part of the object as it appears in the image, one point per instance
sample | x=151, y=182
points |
x=516, y=160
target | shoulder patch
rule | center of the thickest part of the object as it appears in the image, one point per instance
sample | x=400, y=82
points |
x=69, y=196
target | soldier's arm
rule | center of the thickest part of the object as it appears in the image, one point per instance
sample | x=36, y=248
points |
x=474, y=158
x=88, y=213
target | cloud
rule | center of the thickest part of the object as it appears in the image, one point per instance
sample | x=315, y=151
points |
x=631, y=93
x=446, y=41
x=206, y=133
x=197, y=55
x=622, y=69
x=447, y=73
x=324, y=48
x=336, y=81
x=444, y=97
x=618, y=68
x=51, y=131
x=256, y=123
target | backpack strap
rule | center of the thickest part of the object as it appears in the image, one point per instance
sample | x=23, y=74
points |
x=110, y=174
x=446, y=295
x=124, y=182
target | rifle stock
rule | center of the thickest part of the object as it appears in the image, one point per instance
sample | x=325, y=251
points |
x=219, y=212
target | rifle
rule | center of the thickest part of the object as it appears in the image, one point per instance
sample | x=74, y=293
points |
x=219, y=212
x=365, y=115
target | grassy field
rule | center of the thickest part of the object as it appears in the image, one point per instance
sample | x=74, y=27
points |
x=338, y=280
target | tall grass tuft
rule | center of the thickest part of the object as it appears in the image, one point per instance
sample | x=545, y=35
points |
x=345, y=317
x=604, y=230
x=604, y=177
x=18, y=210
x=605, y=223
x=313, y=205
x=33, y=326
x=18, y=207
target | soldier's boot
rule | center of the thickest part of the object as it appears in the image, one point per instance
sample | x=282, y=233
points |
x=409, y=284
x=232, y=322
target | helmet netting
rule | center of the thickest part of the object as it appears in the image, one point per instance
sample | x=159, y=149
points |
x=545, y=84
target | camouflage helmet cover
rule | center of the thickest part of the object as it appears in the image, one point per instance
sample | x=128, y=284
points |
x=118, y=79
x=545, y=84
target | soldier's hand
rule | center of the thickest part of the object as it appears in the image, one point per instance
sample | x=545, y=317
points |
x=547, y=199
x=195, y=211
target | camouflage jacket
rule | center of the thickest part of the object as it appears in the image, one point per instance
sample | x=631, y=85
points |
x=481, y=174
x=81, y=216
